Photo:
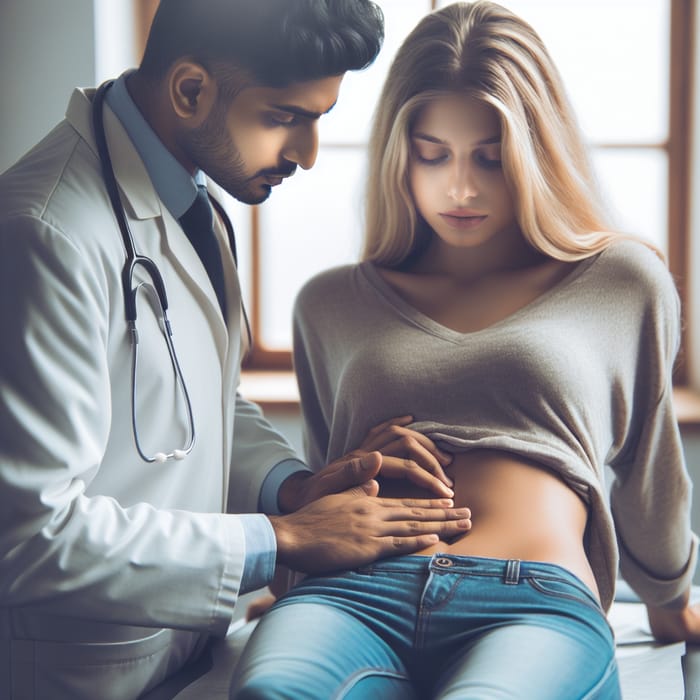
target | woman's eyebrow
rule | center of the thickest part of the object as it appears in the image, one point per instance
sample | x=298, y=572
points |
x=489, y=140
x=434, y=139
x=427, y=137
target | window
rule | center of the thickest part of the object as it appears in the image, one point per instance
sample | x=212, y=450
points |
x=627, y=67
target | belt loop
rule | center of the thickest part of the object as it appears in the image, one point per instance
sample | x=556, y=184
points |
x=512, y=572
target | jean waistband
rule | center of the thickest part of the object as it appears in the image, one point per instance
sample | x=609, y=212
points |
x=508, y=570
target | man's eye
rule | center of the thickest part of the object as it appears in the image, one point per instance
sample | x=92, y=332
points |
x=282, y=119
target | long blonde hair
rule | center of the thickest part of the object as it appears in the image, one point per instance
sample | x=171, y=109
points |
x=484, y=50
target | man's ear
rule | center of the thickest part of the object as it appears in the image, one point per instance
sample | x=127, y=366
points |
x=192, y=91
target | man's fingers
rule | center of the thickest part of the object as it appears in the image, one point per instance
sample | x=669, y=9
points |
x=360, y=469
x=350, y=473
x=369, y=488
x=424, y=505
x=404, y=517
x=407, y=545
x=445, y=529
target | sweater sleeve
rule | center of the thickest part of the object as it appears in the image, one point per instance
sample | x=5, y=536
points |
x=651, y=493
x=650, y=501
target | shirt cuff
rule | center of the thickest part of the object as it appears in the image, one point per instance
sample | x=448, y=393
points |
x=260, y=552
x=267, y=502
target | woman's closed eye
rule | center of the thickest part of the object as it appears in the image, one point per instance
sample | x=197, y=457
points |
x=430, y=156
x=489, y=160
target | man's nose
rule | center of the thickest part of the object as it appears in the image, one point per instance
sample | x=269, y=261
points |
x=302, y=148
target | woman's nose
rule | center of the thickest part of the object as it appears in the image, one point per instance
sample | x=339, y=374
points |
x=462, y=185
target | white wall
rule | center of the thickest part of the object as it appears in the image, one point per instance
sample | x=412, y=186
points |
x=48, y=47
x=40, y=66
x=115, y=49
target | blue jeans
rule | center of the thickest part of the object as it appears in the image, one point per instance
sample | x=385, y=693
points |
x=433, y=627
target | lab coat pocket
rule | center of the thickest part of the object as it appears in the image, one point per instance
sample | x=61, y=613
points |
x=77, y=671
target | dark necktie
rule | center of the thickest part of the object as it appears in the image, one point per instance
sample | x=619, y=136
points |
x=198, y=223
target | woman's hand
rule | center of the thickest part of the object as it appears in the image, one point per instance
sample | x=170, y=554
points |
x=407, y=454
x=675, y=624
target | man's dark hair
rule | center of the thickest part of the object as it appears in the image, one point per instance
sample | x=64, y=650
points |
x=274, y=42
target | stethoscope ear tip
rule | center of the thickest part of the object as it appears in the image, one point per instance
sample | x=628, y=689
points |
x=160, y=457
x=179, y=454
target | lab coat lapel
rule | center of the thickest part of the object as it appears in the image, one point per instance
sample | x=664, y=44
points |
x=143, y=206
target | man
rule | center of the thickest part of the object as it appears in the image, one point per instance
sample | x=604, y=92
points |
x=121, y=463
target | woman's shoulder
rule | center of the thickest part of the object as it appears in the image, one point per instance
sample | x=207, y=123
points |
x=636, y=283
x=327, y=285
x=330, y=278
x=631, y=263
x=632, y=255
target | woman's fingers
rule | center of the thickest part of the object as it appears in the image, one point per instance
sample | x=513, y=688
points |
x=401, y=468
x=411, y=449
x=399, y=441
x=399, y=420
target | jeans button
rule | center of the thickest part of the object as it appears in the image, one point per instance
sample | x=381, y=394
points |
x=443, y=561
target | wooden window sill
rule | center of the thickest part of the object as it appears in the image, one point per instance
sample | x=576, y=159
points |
x=270, y=389
x=687, y=403
x=277, y=390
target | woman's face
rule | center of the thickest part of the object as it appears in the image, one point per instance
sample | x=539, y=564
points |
x=456, y=175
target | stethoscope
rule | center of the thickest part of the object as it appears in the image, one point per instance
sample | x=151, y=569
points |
x=157, y=288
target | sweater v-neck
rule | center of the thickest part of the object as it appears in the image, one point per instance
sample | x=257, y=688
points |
x=389, y=295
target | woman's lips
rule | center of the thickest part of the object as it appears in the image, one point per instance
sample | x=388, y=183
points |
x=463, y=218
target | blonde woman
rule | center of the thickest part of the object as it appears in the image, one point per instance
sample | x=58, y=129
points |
x=531, y=343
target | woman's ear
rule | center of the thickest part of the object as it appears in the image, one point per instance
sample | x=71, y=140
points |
x=192, y=91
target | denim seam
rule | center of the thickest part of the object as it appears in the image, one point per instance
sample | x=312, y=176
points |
x=611, y=670
x=356, y=677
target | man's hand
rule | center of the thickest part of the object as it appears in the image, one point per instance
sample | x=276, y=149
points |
x=405, y=454
x=353, y=528
x=676, y=624
x=345, y=473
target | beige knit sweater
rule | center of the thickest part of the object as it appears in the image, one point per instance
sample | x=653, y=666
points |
x=577, y=380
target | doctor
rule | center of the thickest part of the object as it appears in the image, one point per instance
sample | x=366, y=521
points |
x=121, y=464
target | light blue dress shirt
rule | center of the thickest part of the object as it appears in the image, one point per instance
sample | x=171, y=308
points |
x=177, y=190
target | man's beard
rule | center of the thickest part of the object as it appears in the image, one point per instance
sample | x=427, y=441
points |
x=212, y=149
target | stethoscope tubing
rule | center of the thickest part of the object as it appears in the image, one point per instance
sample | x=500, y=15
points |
x=132, y=260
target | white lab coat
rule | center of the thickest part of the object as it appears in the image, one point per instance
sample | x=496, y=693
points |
x=111, y=567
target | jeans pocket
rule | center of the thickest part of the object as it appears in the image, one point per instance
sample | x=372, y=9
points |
x=565, y=589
